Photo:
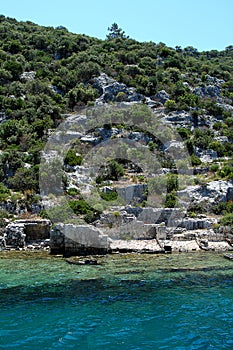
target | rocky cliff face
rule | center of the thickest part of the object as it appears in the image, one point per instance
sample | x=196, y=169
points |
x=132, y=221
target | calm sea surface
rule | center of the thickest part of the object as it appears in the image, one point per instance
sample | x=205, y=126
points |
x=178, y=301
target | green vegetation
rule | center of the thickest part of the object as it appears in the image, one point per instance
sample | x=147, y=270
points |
x=112, y=171
x=81, y=207
x=72, y=158
x=4, y=192
x=223, y=208
x=109, y=196
x=47, y=73
x=227, y=220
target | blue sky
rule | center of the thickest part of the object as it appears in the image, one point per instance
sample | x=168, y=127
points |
x=203, y=24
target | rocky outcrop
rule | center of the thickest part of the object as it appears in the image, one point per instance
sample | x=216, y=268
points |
x=28, y=76
x=162, y=96
x=185, y=119
x=211, y=89
x=207, y=91
x=113, y=91
x=131, y=228
x=19, y=207
x=142, y=246
x=136, y=230
x=176, y=148
x=186, y=241
x=167, y=216
x=208, y=194
x=128, y=214
x=197, y=223
x=208, y=155
x=133, y=194
x=179, y=118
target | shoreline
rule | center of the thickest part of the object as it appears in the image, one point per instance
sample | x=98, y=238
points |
x=139, y=247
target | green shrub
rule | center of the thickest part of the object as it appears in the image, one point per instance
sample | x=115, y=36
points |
x=172, y=183
x=72, y=191
x=79, y=206
x=72, y=158
x=59, y=213
x=99, y=179
x=196, y=208
x=226, y=172
x=195, y=160
x=222, y=208
x=4, y=192
x=24, y=179
x=190, y=146
x=170, y=105
x=113, y=171
x=214, y=168
x=171, y=200
x=184, y=133
x=109, y=196
x=227, y=220
x=3, y=215
x=91, y=216
x=203, y=138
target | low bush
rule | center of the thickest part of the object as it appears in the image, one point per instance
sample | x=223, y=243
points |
x=72, y=158
x=227, y=220
x=109, y=196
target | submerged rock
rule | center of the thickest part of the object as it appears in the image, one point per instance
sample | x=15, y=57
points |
x=75, y=261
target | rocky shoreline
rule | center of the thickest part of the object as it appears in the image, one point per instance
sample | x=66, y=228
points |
x=84, y=240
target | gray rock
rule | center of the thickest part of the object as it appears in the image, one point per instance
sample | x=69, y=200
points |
x=222, y=139
x=132, y=194
x=214, y=80
x=3, y=117
x=14, y=235
x=226, y=106
x=177, y=149
x=197, y=224
x=229, y=194
x=209, y=194
x=55, y=89
x=110, y=89
x=78, y=239
x=205, y=155
x=162, y=96
x=2, y=243
x=28, y=75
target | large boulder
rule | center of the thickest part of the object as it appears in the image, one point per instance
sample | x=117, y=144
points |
x=71, y=239
x=133, y=193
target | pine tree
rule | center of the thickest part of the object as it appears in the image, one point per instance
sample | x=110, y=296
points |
x=115, y=32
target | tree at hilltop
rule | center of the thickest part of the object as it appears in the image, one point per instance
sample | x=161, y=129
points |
x=115, y=32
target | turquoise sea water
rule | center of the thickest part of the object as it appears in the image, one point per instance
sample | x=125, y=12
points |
x=182, y=301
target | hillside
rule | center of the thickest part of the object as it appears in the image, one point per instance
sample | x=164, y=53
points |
x=49, y=76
